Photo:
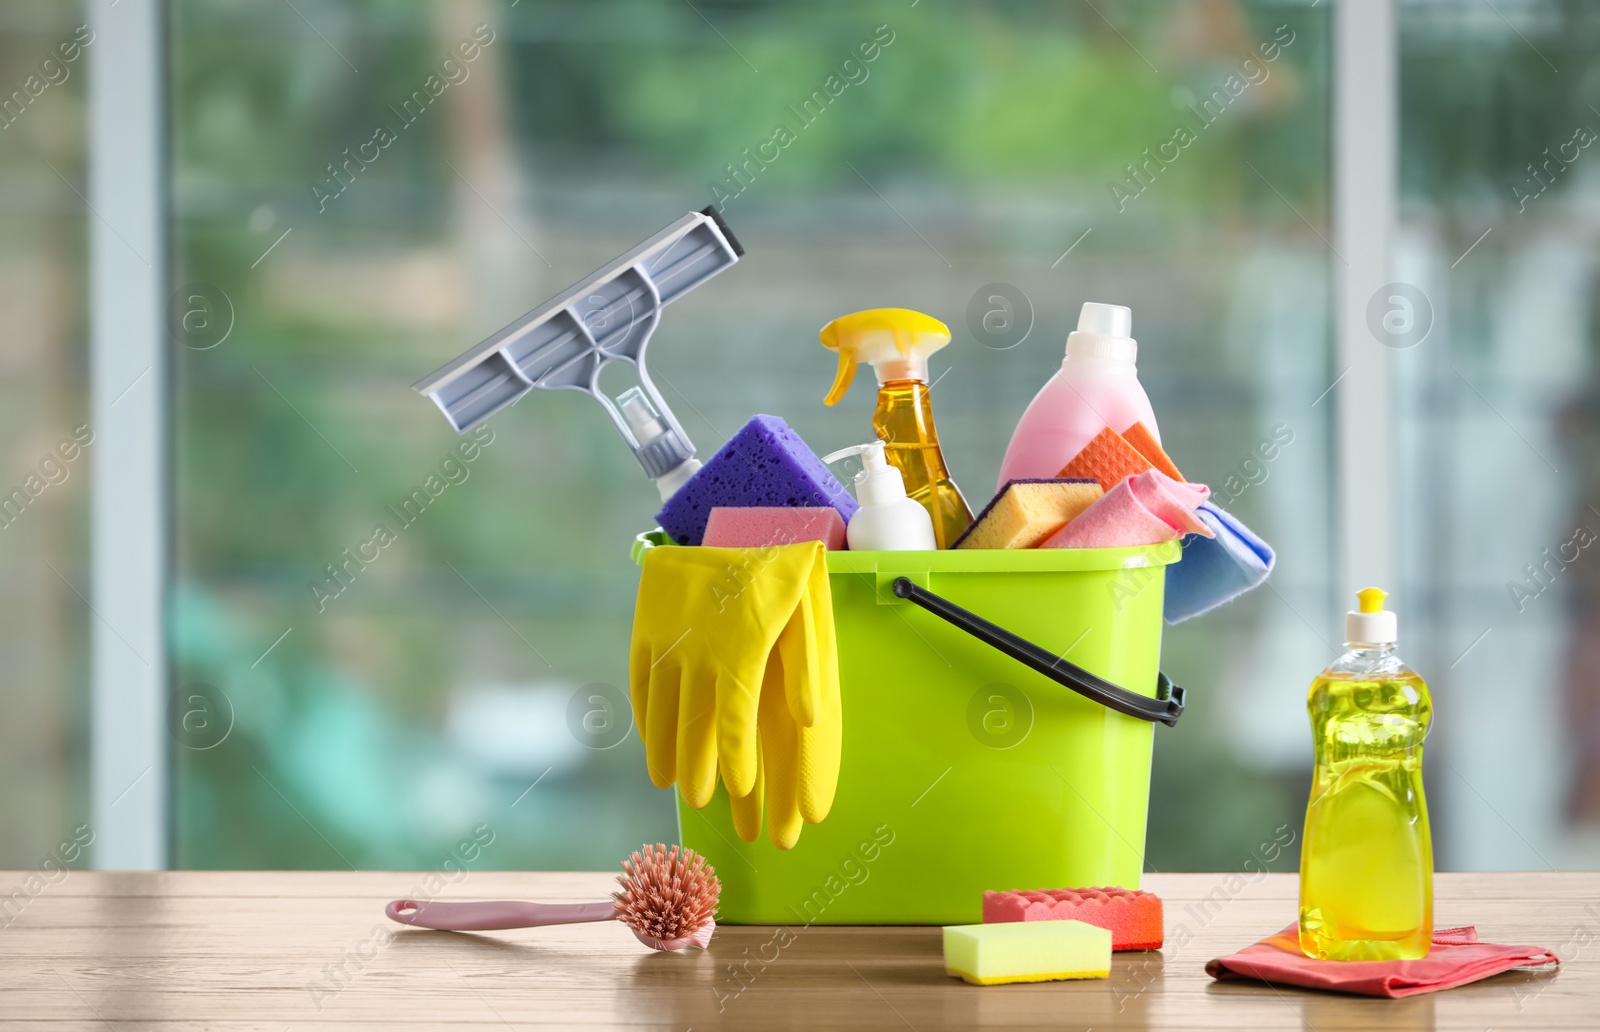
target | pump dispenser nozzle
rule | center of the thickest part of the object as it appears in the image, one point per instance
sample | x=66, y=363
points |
x=888, y=520
x=878, y=483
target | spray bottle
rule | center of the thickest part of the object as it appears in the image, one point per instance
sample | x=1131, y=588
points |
x=897, y=342
x=1366, y=862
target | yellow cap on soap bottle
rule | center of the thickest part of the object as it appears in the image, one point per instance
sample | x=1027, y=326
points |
x=1370, y=623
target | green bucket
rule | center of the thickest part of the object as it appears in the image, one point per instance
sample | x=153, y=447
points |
x=966, y=763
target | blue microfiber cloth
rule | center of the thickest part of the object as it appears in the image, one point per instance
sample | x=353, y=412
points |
x=1217, y=569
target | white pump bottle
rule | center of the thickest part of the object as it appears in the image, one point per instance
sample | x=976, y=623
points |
x=888, y=520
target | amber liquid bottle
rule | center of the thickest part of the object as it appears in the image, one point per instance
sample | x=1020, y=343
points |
x=904, y=422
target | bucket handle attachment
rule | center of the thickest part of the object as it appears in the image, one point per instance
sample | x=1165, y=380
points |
x=1165, y=708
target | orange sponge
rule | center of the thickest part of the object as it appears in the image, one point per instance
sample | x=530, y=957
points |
x=1108, y=459
x=1133, y=917
x=1144, y=442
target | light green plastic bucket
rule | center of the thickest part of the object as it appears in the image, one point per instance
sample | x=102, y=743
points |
x=963, y=769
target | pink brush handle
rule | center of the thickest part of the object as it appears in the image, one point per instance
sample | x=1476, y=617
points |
x=496, y=914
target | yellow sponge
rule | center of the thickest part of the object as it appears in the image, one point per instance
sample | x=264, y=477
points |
x=1027, y=951
x=1025, y=512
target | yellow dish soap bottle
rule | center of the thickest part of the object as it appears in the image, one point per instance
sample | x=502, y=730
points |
x=898, y=341
x=1366, y=861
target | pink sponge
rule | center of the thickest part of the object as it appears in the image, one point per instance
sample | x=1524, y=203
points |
x=749, y=526
x=1132, y=917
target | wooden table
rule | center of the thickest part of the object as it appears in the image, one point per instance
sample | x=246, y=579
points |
x=307, y=950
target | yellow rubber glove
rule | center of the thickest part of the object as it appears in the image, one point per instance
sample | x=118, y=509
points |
x=799, y=765
x=747, y=809
x=704, y=625
x=820, y=740
x=780, y=766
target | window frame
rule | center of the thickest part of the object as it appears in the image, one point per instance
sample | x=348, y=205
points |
x=130, y=742
x=129, y=489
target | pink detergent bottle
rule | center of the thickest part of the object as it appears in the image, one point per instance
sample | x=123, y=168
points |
x=1097, y=386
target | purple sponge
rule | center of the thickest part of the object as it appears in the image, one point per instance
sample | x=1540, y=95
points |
x=764, y=464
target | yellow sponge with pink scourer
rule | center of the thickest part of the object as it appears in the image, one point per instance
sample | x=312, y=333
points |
x=1025, y=512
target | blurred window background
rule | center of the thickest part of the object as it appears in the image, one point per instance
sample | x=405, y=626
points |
x=365, y=189
x=44, y=554
x=1498, y=420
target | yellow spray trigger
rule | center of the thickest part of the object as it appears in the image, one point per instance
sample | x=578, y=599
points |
x=1371, y=599
x=897, y=341
x=841, y=379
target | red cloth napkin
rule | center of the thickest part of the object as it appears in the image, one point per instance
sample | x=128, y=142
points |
x=1457, y=958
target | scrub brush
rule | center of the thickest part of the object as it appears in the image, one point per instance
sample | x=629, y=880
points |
x=668, y=899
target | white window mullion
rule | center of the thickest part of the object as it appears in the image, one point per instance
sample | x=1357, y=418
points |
x=128, y=380
x=1365, y=203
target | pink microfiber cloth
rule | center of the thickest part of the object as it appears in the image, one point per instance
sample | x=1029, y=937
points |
x=1144, y=509
x=1457, y=958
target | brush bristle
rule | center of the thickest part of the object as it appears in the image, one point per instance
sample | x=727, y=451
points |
x=666, y=894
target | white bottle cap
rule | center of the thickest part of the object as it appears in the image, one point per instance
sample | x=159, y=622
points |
x=1371, y=624
x=1104, y=331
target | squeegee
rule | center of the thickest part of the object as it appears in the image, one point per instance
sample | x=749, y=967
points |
x=563, y=344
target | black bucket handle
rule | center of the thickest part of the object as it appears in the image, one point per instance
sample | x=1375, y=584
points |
x=1165, y=708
